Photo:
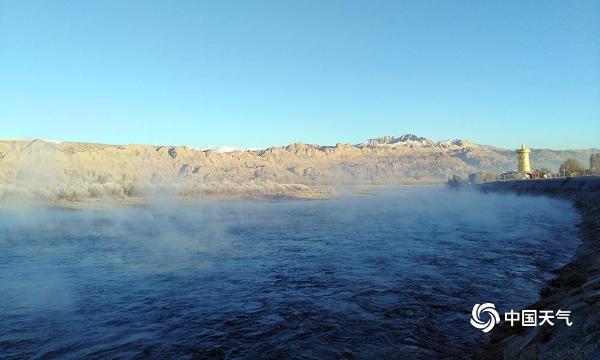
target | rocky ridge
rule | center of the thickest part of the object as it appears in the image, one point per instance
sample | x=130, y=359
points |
x=43, y=169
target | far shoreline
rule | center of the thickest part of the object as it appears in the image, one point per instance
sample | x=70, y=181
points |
x=306, y=192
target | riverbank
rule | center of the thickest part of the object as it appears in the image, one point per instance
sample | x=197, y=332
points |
x=575, y=288
x=82, y=194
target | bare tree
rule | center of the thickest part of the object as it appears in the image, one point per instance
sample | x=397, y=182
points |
x=595, y=164
x=571, y=167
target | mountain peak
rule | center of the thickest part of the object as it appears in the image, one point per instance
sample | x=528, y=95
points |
x=405, y=139
x=413, y=141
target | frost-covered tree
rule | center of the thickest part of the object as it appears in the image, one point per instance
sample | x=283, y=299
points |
x=595, y=164
x=571, y=167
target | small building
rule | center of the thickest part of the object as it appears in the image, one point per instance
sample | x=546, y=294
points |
x=511, y=175
x=538, y=174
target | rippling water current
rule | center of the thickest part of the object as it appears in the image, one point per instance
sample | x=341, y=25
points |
x=390, y=275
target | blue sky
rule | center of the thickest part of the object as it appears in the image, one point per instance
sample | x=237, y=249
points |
x=262, y=73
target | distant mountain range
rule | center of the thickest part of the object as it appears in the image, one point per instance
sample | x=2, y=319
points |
x=45, y=168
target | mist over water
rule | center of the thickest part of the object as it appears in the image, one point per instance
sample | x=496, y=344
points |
x=392, y=274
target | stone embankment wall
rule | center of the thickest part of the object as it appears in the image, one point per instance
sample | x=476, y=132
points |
x=558, y=185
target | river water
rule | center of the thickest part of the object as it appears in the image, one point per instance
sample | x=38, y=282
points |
x=394, y=275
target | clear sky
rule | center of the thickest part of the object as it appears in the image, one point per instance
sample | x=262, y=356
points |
x=260, y=73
